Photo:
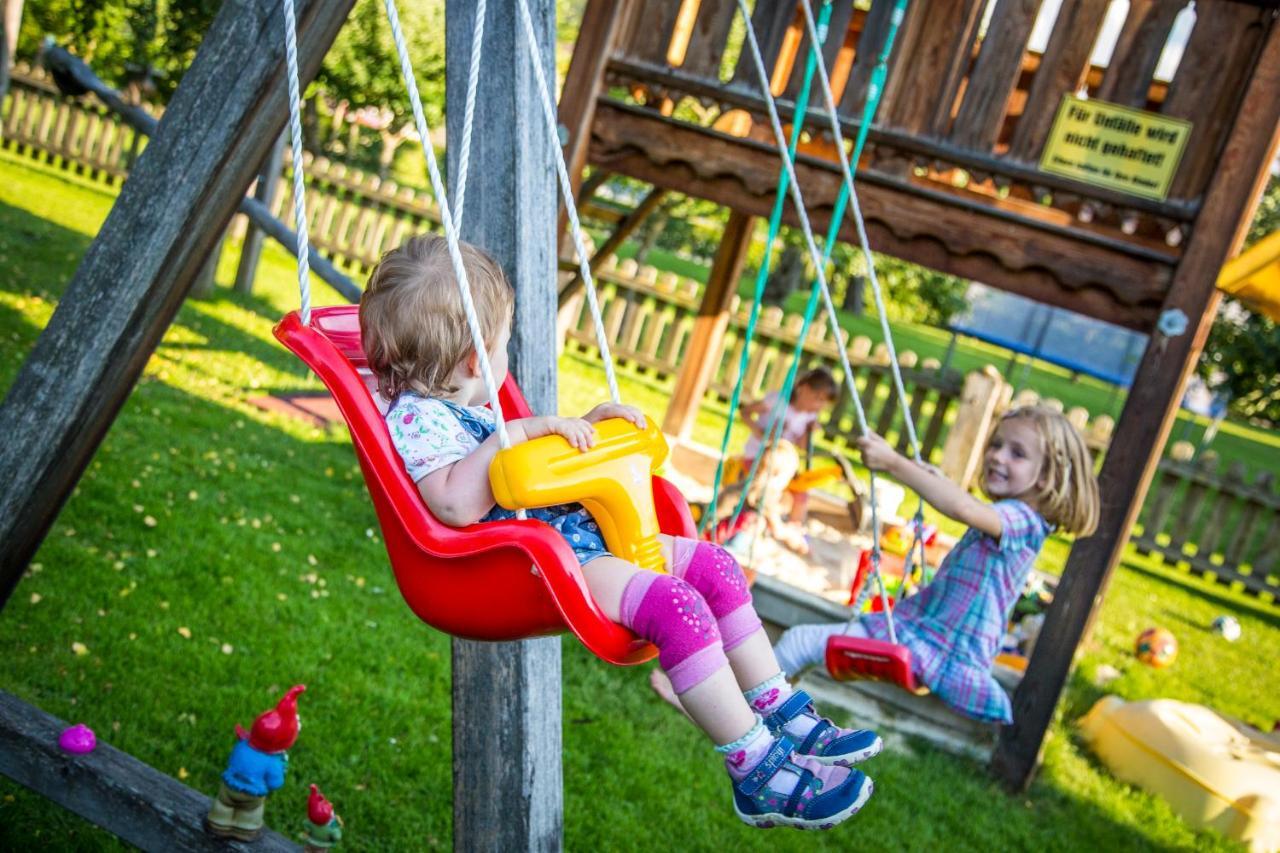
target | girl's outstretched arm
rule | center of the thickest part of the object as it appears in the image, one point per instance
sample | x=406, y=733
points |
x=459, y=493
x=753, y=415
x=944, y=495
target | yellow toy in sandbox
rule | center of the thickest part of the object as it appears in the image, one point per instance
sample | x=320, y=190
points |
x=1214, y=771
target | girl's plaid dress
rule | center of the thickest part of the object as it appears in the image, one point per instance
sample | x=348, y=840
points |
x=954, y=625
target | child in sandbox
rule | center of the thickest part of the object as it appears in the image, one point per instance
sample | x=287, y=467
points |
x=787, y=765
x=815, y=391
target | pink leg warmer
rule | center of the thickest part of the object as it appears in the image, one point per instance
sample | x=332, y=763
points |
x=672, y=615
x=713, y=571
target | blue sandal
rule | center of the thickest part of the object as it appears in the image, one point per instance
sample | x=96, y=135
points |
x=806, y=807
x=824, y=743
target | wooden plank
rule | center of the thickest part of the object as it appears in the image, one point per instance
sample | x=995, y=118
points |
x=1214, y=525
x=771, y=20
x=1208, y=84
x=1062, y=70
x=995, y=75
x=1148, y=414
x=837, y=27
x=936, y=58
x=1197, y=492
x=268, y=183
x=709, y=38
x=135, y=274
x=1156, y=509
x=1062, y=266
x=654, y=23
x=1128, y=77
x=1237, y=551
x=507, y=775
x=111, y=789
x=875, y=29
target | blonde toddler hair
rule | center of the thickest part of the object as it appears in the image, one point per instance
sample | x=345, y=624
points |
x=1066, y=491
x=412, y=322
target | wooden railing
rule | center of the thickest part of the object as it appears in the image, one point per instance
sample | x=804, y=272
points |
x=1220, y=523
x=964, y=95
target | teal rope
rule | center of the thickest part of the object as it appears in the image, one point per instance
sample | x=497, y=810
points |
x=875, y=89
x=775, y=224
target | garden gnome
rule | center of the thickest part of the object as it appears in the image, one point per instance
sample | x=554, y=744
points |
x=255, y=769
x=324, y=828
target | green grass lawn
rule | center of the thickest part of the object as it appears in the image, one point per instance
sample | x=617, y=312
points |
x=214, y=554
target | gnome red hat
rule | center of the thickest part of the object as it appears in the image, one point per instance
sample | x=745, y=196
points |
x=277, y=729
x=319, y=810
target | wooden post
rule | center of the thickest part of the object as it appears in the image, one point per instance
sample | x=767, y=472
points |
x=703, y=353
x=206, y=280
x=226, y=114
x=506, y=696
x=10, y=24
x=980, y=401
x=1148, y=413
x=265, y=192
x=582, y=86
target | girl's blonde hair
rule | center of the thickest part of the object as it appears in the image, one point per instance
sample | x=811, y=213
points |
x=412, y=322
x=1066, y=490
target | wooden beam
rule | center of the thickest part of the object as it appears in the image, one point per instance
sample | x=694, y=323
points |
x=109, y=788
x=619, y=236
x=582, y=86
x=702, y=356
x=1148, y=414
x=226, y=114
x=506, y=696
x=1060, y=264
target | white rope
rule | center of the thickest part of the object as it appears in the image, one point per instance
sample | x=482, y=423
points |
x=299, y=188
x=864, y=243
x=802, y=212
x=473, y=79
x=446, y=219
x=566, y=189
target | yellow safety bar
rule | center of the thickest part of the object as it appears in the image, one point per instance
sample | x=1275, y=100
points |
x=613, y=480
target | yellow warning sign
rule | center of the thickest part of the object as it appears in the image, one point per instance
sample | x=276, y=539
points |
x=1107, y=145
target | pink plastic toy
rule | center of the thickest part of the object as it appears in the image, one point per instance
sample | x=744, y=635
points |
x=78, y=740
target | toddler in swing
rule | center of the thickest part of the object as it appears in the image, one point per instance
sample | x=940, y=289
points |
x=815, y=390
x=1039, y=476
x=788, y=766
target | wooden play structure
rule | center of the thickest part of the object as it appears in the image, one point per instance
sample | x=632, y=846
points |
x=951, y=178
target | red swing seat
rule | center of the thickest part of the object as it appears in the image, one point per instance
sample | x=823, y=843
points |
x=502, y=580
x=852, y=658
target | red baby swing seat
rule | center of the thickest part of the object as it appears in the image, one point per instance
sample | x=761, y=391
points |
x=477, y=582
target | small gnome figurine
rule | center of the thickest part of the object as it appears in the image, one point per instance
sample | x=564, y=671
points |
x=324, y=828
x=256, y=768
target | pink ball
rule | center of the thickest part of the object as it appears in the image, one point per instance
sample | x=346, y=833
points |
x=78, y=740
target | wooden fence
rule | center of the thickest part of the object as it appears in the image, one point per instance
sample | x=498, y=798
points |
x=1218, y=522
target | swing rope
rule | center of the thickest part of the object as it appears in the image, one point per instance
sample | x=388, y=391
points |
x=299, y=189
x=571, y=208
x=775, y=224
x=802, y=213
x=469, y=113
x=874, y=90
